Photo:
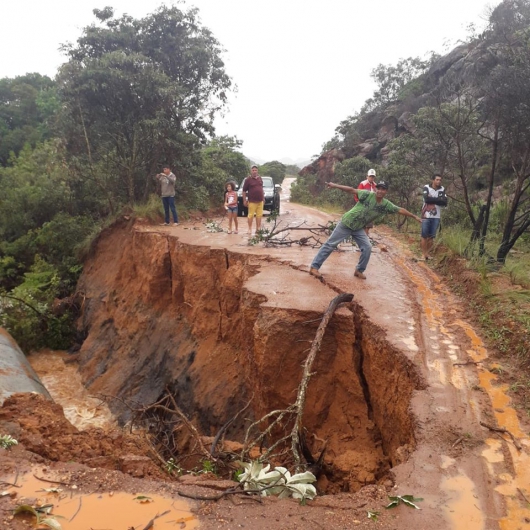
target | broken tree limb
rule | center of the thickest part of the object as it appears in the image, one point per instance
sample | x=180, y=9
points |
x=189, y=425
x=503, y=431
x=223, y=429
x=302, y=388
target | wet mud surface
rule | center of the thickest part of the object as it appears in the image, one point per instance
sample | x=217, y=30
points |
x=401, y=394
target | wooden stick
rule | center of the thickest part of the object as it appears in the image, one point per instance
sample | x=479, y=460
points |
x=51, y=481
x=504, y=431
x=79, y=507
x=152, y=521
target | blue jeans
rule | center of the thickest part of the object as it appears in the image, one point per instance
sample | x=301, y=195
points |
x=341, y=233
x=169, y=203
x=429, y=227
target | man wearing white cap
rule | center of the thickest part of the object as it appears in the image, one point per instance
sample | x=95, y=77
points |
x=369, y=185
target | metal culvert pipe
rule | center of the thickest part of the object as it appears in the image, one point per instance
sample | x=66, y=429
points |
x=16, y=374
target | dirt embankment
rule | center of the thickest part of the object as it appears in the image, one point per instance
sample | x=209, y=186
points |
x=216, y=327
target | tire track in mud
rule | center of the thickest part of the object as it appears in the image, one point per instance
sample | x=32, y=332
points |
x=446, y=339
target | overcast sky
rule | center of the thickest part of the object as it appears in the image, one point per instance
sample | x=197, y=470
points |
x=301, y=66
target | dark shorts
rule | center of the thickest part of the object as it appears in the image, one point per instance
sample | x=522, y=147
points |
x=429, y=227
x=232, y=209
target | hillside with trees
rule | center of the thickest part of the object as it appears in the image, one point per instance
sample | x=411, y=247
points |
x=466, y=115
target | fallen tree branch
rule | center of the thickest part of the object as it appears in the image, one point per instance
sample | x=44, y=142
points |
x=523, y=496
x=77, y=511
x=223, y=429
x=189, y=425
x=503, y=431
x=302, y=389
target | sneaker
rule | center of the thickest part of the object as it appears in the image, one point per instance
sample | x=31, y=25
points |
x=164, y=224
x=315, y=272
x=359, y=274
x=175, y=224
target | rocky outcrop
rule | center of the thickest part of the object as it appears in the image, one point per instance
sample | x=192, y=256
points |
x=324, y=166
x=374, y=129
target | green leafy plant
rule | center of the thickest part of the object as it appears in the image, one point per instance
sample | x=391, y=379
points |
x=7, y=441
x=208, y=467
x=278, y=481
x=373, y=515
x=212, y=226
x=143, y=499
x=408, y=500
x=41, y=513
x=172, y=467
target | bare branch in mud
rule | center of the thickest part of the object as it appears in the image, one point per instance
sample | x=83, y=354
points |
x=302, y=389
x=77, y=511
x=51, y=481
x=523, y=496
x=503, y=431
x=223, y=429
x=247, y=446
x=237, y=490
x=152, y=521
x=189, y=425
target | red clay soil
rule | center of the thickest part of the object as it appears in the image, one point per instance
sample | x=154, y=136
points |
x=401, y=390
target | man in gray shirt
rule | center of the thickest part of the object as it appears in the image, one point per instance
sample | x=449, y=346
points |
x=167, y=191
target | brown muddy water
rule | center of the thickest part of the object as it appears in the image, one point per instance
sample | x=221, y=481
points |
x=100, y=511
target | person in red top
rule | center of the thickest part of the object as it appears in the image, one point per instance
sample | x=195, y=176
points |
x=369, y=185
x=253, y=197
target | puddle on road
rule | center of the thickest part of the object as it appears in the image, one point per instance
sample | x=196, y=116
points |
x=462, y=510
x=513, y=487
x=97, y=511
x=63, y=382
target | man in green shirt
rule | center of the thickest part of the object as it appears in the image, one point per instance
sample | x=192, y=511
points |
x=371, y=207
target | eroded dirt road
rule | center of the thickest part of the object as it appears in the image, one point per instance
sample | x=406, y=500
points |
x=425, y=375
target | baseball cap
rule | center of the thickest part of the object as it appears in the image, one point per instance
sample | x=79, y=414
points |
x=382, y=184
x=371, y=172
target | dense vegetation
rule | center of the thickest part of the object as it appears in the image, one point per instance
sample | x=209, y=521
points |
x=132, y=95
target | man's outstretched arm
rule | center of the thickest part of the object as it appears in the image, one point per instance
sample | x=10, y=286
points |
x=347, y=189
x=406, y=213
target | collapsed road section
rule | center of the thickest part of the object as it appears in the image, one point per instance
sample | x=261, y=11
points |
x=220, y=329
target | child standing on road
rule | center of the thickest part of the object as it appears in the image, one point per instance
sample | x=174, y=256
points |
x=231, y=206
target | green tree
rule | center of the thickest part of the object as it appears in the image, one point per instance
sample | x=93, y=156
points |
x=138, y=92
x=391, y=80
x=273, y=169
x=223, y=152
x=507, y=92
x=28, y=105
